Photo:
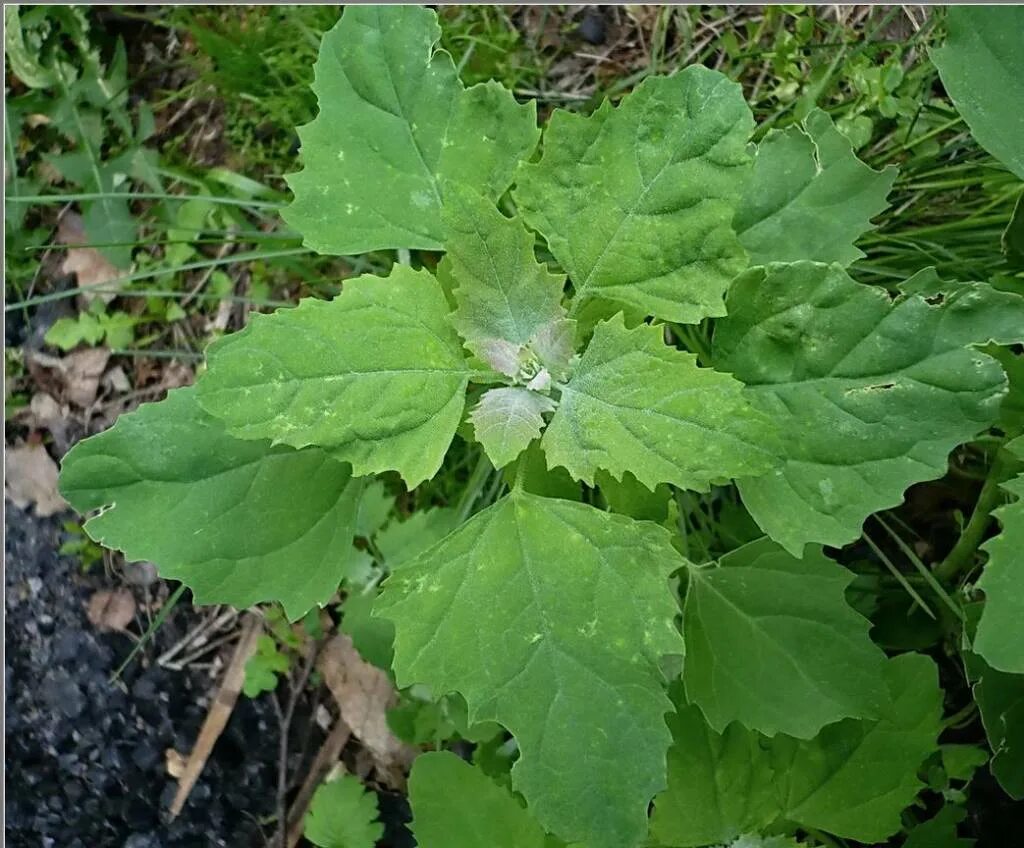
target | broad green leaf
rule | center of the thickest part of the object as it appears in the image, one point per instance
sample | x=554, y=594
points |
x=856, y=777
x=507, y=419
x=1000, y=636
x=343, y=814
x=374, y=508
x=772, y=643
x=810, y=197
x=395, y=125
x=719, y=785
x=402, y=541
x=455, y=805
x=377, y=375
x=982, y=68
x=636, y=202
x=550, y=618
x=507, y=301
x=871, y=394
x=632, y=498
x=635, y=404
x=1000, y=698
x=940, y=831
x=238, y=521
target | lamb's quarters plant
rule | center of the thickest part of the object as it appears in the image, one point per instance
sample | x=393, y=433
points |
x=565, y=338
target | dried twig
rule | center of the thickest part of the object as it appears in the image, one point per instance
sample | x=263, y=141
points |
x=220, y=711
x=325, y=759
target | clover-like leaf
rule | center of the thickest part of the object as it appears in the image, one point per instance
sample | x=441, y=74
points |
x=634, y=404
x=578, y=615
x=823, y=781
x=810, y=197
x=871, y=394
x=504, y=294
x=507, y=419
x=377, y=375
x=772, y=643
x=343, y=814
x=239, y=521
x=395, y=125
x=720, y=785
x=1000, y=635
x=636, y=202
x=455, y=805
x=982, y=68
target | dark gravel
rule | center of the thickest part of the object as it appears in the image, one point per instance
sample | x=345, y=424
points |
x=85, y=758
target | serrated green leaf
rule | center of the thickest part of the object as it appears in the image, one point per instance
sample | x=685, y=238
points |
x=772, y=643
x=634, y=404
x=262, y=668
x=578, y=614
x=1000, y=635
x=982, y=68
x=636, y=202
x=856, y=777
x=870, y=394
x=810, y=197
x=852, y=780
x=395, y=124
x=457, y=806
x=507, y=419
x=343, y=814
x=376, y=375
x=719, y=785
x=374, y=508
x=402, y=541
x=632, y=498
x=238, y=521
x=506, y=299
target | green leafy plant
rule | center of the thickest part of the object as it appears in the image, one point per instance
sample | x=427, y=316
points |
x=689, y=324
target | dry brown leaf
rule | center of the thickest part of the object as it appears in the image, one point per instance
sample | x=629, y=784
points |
x=31, y=479
x=90, y=266
x=83, y=370
x=111, y=609
x=364, y=693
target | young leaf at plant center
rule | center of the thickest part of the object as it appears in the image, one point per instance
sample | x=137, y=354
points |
x=507, y=419
x=579, y=614
x=810, y=197
x=376, y=375
x=455, y=805
x=656, y=181
x=982, y=68
x=343, y=814
x=719, y=785
x=852, y=780
x=1000, y=635
x=772, y=643
x=635, y=404
x=393, y=114
x=238, y=521
x=870, y=394
x=823, y=781
x=509, y=305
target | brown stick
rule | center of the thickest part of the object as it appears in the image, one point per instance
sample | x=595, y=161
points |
x=326, y=757
x=220, y=711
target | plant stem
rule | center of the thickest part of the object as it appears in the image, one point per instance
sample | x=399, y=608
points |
x=961, y=557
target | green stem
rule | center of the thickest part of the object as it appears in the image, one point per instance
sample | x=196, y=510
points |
x=961, y=558
x=474, y=486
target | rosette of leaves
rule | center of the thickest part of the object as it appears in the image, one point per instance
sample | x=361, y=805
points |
x=548, y=615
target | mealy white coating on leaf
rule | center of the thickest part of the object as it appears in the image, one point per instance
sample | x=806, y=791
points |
x=238, y=521
x=507, y=419
x=376, y=375
x=394, y=126
x=550, y=618
x=635, y=404
x=870, y=393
